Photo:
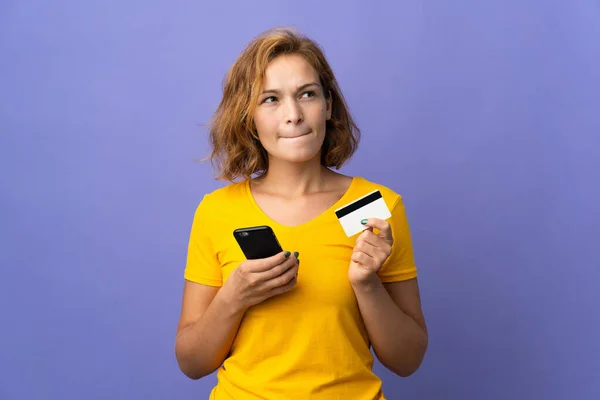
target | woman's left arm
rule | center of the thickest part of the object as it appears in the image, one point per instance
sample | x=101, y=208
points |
x=391, y=312
x=395, y=323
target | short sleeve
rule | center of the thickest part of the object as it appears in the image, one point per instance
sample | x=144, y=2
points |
x=400, y=265
x=202, y=265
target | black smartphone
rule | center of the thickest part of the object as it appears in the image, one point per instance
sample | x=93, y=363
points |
x=257, y=242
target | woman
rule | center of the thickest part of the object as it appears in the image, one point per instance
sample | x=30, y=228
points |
x=278, y=328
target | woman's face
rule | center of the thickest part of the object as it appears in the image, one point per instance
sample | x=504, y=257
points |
x=292, y=110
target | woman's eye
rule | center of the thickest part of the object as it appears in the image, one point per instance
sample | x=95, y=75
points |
x=270, y=99
x=308, y=94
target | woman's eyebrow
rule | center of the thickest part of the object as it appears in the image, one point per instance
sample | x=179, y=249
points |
x=300, y=88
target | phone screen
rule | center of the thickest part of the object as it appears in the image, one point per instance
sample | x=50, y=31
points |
x=257, y=242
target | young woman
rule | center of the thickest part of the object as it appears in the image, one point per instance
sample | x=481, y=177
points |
x=278, y=328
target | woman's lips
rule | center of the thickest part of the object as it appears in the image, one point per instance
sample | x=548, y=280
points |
x=295, y=136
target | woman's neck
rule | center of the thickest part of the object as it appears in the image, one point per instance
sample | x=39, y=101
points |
x=294, y=180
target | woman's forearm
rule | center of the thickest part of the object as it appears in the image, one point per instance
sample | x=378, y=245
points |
x=397, y=339
x=202, y=346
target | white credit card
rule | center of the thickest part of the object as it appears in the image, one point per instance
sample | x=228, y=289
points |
x=370, y=205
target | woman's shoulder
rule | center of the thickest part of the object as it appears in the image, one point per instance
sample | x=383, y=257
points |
x=366, y=186
x=224, y=195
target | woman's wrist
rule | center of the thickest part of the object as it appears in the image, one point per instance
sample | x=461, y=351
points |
x=368, y=283
x=231, y=300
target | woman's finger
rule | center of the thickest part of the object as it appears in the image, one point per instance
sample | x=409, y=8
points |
x=385, y=230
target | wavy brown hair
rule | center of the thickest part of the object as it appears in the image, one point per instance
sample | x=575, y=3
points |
x=236, y=150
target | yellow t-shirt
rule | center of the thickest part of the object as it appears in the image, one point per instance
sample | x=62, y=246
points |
x=311, y=342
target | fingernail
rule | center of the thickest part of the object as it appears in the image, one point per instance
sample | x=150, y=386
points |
x=364, y=221
x=296, y=254
x=298, y=261
x=287, y=254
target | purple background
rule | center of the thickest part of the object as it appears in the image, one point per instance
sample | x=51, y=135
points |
x=484, y=115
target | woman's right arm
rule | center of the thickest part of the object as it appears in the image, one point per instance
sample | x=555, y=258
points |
x=207, y=327
x=211, y=316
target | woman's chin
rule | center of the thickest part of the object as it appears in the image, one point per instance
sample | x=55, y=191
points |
x=298, y=157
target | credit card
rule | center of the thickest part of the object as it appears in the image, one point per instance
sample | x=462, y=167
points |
x=370, y=205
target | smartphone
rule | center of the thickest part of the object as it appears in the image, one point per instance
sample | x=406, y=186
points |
x=257, y=242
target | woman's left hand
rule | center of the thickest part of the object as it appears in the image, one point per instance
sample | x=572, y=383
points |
x=370, y=251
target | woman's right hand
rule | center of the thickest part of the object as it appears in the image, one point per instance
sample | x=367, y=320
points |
x=254, y=281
